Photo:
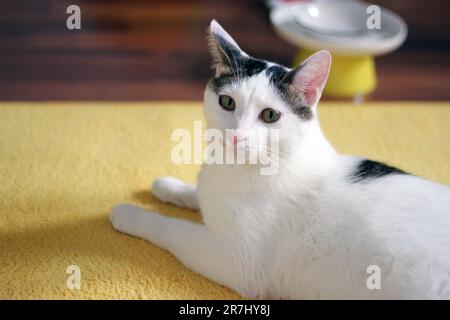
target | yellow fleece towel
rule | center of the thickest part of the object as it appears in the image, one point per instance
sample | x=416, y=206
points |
x=64, y=165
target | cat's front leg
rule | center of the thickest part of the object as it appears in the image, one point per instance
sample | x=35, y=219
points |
x=175, y=191
x=193, y=244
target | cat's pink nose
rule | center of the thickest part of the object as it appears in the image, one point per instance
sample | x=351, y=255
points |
x=234, y=138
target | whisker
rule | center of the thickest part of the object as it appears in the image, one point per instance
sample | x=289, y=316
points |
x=270, y=150
x=264, y=156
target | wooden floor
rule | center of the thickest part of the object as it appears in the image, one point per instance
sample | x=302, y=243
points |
x=155, y=49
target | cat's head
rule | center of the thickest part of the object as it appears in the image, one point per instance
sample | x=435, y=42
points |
x=252, y=96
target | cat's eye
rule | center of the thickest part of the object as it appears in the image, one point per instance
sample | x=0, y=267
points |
x=227, y=102
x=270, y=115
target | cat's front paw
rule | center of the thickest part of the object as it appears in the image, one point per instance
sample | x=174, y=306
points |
x=123, y=217
x=175, y=191
x=166, y=189
x=137, y=222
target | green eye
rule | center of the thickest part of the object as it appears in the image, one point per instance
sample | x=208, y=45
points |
x=270, y=115
x=227, y=103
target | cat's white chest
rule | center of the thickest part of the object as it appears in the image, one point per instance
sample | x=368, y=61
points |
x=238, y=208
x=217, y=185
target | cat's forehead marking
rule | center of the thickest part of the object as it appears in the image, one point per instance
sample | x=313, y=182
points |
x=243, y=68
x=247, y=67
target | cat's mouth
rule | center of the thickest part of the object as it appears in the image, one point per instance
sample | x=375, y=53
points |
x=244, y=153
x=231, y=146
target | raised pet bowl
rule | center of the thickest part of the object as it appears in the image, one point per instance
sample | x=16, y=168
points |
x=342, y=28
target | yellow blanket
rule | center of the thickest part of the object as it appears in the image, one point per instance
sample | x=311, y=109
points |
x=63, y=165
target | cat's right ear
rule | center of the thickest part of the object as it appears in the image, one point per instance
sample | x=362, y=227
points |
x=223, y=49
x=309, y=79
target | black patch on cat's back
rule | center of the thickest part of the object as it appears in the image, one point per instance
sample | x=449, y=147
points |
x=368, y=169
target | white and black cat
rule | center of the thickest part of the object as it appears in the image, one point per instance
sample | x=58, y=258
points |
x=313, y=229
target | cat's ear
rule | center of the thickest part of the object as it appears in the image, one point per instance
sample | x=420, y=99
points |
x=223, y=49
x=310, y=77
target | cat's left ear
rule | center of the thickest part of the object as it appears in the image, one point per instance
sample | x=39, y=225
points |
x=224, y=50
x=309, y=78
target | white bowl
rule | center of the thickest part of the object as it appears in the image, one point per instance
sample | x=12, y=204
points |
x=338, y=26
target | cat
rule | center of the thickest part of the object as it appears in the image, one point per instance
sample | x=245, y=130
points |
x=324, y=226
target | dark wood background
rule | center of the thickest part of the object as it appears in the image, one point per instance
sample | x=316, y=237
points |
x=155, y=49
